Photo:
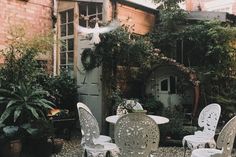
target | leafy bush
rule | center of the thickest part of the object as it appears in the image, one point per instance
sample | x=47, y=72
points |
x=20, y=58
x=173, y=129
x=62, y=89
x=25, y=105
x=152, y=105
x=22, y=99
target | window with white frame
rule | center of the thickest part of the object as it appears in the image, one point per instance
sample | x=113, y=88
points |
x=67, y=41
x=90, y=13
x=168, y=85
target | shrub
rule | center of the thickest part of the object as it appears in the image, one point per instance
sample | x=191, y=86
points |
x=173, y=129
x=62, y=89
x=152, y=105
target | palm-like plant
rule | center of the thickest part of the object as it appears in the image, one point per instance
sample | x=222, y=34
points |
x=24, y=103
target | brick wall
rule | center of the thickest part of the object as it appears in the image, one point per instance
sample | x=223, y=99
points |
x=192, y=5
x=141, y=21
x=33, y=15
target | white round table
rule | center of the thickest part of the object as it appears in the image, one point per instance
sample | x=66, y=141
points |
x=158, y=119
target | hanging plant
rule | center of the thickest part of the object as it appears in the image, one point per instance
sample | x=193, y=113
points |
x=88, y=59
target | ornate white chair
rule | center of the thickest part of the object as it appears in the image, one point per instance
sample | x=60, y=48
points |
x=137, y=135
x=94, y=144
x=208, y=119
x=128, y=104
x=94, y=124
x=224, y=144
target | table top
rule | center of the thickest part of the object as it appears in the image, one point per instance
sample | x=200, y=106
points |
x=158, y=119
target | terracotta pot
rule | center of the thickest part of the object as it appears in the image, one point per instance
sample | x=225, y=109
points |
x=12, y=148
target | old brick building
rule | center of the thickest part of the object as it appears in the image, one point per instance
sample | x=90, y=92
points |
x=34, y=15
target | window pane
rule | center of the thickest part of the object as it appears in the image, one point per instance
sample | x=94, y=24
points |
x=70, y=57
x=63, y=45
x=62, y=67
x=70, y=70
x=82, y=10
x=63, y=58
x=91, y=9
x=82, y=23
x=172, y=85
x=92, y=21
x=70, y=29
x=63, y=30
x=164, y=85
x=99, y=8
x=70, y=15
x=63, y=17
x=70, y=44
x=100, y=16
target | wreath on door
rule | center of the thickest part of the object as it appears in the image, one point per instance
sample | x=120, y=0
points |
x=88, y=59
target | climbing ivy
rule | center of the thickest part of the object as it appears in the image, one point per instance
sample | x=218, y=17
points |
x=122, y=48
x=208, y=47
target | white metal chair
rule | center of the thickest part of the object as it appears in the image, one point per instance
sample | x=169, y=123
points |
x=224, y=144
x=128, y=104
x=208, y=119
x=94, y=144
x=137, y=135
x=94, y=124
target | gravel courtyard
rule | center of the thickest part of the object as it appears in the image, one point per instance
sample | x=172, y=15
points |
x=72, y=148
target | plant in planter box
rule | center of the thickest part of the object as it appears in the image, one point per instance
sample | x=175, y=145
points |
x=25, y=105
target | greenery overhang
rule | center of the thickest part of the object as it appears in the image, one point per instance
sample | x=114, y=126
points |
x=185, y=70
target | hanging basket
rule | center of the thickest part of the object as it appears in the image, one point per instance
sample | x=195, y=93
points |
x=88, y=59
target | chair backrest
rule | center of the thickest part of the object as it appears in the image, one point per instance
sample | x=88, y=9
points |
x=137, y=135
x=226, y=137
x=131, y=104
x=88, y=123
x=82, y=105
x=209, y=117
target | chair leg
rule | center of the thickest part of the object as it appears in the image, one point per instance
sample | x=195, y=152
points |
x=184, y=151
x=85, y=153
x=108, y=154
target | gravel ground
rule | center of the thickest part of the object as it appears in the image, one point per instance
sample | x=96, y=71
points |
x=72, y=148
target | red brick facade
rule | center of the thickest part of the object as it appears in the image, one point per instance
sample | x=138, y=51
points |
x=33, y=15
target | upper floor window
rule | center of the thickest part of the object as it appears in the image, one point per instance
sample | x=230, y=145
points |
x=67, y=40
x=90, y=13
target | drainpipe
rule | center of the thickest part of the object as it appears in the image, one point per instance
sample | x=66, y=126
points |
x=55, y=38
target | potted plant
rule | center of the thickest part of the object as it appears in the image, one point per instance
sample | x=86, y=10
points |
x=26, y=108
x=11, y=143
